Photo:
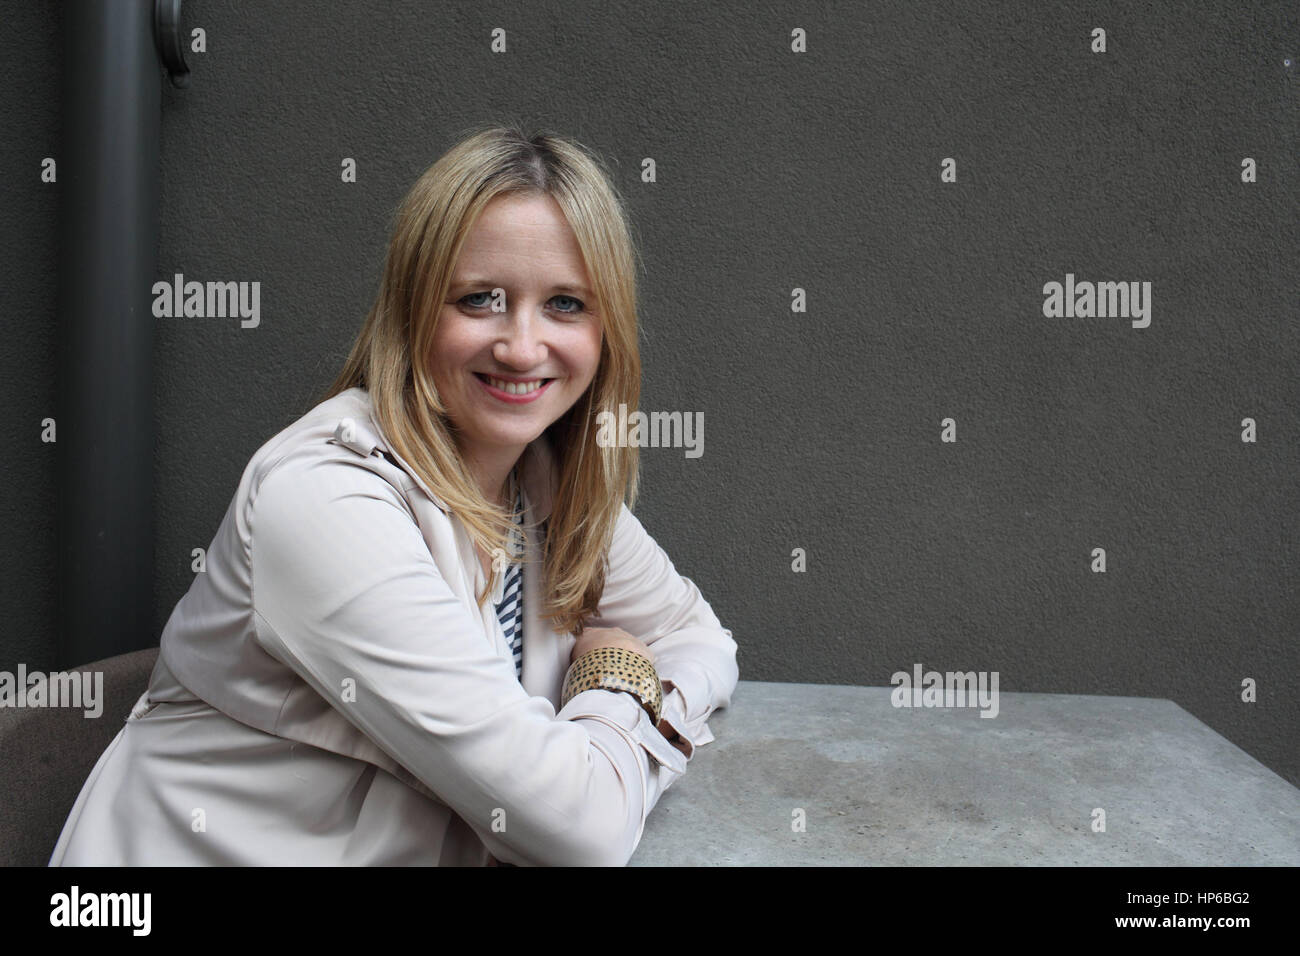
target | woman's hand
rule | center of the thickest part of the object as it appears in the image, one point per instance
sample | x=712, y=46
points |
x=594, y=637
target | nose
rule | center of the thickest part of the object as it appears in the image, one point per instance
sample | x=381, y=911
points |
x=520, y=344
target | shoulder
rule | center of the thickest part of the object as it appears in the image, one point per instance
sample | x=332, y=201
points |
x=332, y=450
x=630, y=544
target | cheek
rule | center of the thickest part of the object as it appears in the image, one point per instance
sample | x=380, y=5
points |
x=446, y=373
x=451, y=348
x=591, y=349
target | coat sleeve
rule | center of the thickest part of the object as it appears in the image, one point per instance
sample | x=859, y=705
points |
x=694, y=654
x=346, y=594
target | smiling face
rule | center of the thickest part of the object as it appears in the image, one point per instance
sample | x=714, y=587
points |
x=505, y=376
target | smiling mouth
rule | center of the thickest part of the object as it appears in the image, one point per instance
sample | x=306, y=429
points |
x=513, y=388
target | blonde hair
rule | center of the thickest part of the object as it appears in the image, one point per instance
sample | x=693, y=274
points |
x=429, y=230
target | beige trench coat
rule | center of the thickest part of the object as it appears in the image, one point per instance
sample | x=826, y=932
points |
x=328, y=692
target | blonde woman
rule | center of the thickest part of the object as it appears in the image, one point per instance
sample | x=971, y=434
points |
x=430, y=630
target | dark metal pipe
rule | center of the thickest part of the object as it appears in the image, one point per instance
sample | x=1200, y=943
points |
x=108, y=238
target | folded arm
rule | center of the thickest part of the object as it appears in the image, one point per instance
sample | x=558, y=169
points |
x=347, y=594
x=694, y=654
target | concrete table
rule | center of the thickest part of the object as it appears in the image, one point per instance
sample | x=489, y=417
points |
x=944, y=786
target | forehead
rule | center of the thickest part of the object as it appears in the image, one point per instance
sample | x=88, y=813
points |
x=521, y=239
x=521, y=222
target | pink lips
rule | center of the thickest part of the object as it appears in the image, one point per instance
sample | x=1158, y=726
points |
x=514, y=399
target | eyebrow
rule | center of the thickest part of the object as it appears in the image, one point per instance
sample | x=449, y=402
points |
x=559, y=287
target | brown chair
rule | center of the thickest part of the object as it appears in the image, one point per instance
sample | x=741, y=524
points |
x=46, y=754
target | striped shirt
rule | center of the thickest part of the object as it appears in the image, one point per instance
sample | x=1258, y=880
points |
x=510, y=609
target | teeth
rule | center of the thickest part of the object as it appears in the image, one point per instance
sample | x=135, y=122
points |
x=516, y=388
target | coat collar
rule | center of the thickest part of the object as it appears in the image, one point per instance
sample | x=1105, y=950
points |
x=358, y=430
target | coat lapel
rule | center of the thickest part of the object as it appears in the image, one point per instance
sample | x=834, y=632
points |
x=546, y=653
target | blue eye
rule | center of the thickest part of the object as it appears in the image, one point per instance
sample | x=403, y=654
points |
x=577, y=302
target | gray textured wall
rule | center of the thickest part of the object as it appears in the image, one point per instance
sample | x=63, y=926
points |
x=780, y=170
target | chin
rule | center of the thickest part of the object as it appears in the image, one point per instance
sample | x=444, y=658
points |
x=512, y=438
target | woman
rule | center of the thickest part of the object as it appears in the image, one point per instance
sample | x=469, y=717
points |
x=352, y=679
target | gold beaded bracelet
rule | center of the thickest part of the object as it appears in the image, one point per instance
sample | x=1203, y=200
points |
x=614, y=668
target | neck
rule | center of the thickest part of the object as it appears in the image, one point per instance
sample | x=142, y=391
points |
x=491, y=471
